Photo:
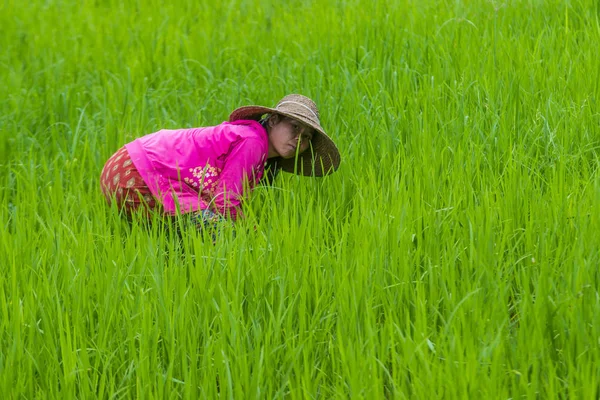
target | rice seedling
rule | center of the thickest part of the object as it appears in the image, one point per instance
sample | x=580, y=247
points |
x=453, y=255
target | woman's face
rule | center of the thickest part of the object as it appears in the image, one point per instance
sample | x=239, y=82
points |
x=287, y=135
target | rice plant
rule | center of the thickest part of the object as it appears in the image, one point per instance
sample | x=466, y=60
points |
x=454, y=254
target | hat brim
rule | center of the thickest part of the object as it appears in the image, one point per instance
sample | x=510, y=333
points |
x=323, y=156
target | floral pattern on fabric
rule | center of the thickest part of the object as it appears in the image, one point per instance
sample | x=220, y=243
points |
x=204, y=178
x=121, y=182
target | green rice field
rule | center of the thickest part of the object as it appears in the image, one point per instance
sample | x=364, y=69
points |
x=454, y=255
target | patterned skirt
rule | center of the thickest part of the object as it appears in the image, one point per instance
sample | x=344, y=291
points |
x=122, y=183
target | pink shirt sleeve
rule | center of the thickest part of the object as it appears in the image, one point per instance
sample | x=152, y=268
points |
x=242, y=170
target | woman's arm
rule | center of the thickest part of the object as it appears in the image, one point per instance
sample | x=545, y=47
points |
x=242, y=169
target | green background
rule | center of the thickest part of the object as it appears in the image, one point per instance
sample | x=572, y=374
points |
x=453, y=254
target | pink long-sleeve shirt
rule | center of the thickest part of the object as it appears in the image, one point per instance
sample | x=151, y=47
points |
x=202, y=168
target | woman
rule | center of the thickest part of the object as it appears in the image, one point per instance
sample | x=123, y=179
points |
x=204, y=172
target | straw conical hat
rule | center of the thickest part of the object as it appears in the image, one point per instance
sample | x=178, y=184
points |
x=322, y=157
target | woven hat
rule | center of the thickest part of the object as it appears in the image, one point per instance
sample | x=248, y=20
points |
x=322, y=157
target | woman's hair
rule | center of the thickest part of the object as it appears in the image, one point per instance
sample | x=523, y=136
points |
x=272, y=168
x=271, y=171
